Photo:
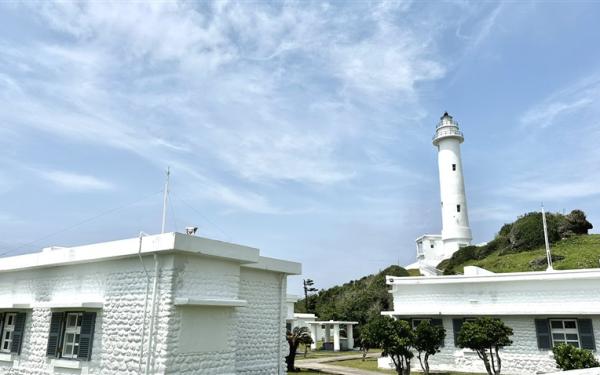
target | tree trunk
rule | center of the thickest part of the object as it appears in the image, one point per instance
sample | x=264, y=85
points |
x=498, y=362
x=426, y=369
x=486, y=362
x=291, y=358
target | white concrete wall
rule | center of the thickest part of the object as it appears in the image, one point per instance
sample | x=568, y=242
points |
x=120, y=284
x=260, y=326
x=523, y=357
x=228, y=340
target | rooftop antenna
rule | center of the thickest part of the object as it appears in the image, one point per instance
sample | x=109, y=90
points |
x=165, y=198
x=548, y=254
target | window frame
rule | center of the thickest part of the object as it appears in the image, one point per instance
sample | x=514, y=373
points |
x=6, y=328
x=453, y=167
x=564, y=331
x=67, y=330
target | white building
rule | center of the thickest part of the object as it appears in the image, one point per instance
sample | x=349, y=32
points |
x=456, y=233
x=214, y=308
x=543, y=308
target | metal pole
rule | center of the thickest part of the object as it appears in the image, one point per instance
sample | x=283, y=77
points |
x=548, y=254
x=165, y=197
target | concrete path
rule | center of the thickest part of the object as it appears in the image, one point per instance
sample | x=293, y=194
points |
x=323, y=365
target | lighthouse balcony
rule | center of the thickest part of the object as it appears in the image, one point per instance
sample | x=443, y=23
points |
x=449, y=132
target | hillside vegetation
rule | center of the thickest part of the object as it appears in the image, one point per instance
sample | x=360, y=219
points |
x=519, y=246
x=358, y=300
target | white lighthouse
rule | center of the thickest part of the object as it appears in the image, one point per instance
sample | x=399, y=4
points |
x=456, y=233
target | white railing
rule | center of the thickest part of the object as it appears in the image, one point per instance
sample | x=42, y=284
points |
x=448, y=132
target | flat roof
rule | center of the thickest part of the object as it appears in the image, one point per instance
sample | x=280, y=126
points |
x=586, y=273
x=159, y=243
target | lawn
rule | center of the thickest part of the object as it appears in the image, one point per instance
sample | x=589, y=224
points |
x=371, y=365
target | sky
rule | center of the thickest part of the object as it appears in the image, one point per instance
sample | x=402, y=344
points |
x=300, y=128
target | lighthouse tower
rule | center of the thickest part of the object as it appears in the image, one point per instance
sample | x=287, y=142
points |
x=434, y=248
x=456, y=232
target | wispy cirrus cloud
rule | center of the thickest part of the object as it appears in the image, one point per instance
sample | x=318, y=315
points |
x=581, y=96
x=74, y=181
x=241, y=94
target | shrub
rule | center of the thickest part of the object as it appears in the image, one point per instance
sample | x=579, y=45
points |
x=568, y=357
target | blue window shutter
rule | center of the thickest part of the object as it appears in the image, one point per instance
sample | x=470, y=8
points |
x=438, y=323
x=586, y=334
x=456, y=326
x=86, y=338
x=17, y=336
x=542, y=332
x=56, y=322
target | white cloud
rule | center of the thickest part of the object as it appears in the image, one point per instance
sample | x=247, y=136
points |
x=75, y=182
x=238, y=95
x=572, y=100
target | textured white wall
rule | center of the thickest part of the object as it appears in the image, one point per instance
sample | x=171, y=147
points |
x=252, y=339
x=523, y=357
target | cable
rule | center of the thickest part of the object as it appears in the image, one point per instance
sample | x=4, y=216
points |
x=104, y=213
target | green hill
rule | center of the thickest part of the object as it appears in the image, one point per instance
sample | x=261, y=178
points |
x=519, y=246
x=581, y=251
x=358, y=300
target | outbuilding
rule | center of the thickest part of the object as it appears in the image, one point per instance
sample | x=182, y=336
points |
x=162, y=304
x=543, y=309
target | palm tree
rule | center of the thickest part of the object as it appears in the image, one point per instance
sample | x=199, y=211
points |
x=295, y=337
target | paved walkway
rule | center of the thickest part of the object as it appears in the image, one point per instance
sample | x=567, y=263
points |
x=322, y=364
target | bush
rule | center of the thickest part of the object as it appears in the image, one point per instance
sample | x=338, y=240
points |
x=568, y=357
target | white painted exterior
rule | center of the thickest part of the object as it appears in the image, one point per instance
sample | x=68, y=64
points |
x=215, y=300
x=516, y=298
x=456, y=232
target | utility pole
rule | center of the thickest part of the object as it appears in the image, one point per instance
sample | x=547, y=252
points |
x=165, y=198
x=548, y=254
x=308, y=288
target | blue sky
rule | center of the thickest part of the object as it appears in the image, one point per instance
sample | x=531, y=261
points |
x=301, y=128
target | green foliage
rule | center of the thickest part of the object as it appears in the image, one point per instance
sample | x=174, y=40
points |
x=428, y=339
x=370, y=334
x=575, y=223
x=358, y=300
x=299, y=335
x=524, y=235
x=486, y=336
x=397, y=340
x=568, y=357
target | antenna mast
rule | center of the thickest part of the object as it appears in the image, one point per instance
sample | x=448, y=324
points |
x=548, y=254
x=165, y=198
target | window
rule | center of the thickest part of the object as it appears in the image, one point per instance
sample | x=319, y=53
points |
x=564, y=331
x=11, y=332
x=71, y=335
x=453, y=167
x=431, y=246
x=458, y=208
x=7, y=332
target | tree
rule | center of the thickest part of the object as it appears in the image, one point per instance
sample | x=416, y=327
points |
x=428, y=340
x=396, y=338
x=295, y=337
x=308, y=289
x=576, y=223
x=568, y=357
x=486, y=336
x=370, y=334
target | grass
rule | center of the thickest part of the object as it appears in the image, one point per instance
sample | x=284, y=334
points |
x=579, y=252
x=414, y=272
x=371, y=365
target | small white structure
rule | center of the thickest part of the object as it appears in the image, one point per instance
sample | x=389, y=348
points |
x=161, y=304
x=338, y=342
x=543, y=308
x=456, y=233
x=295, y=319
